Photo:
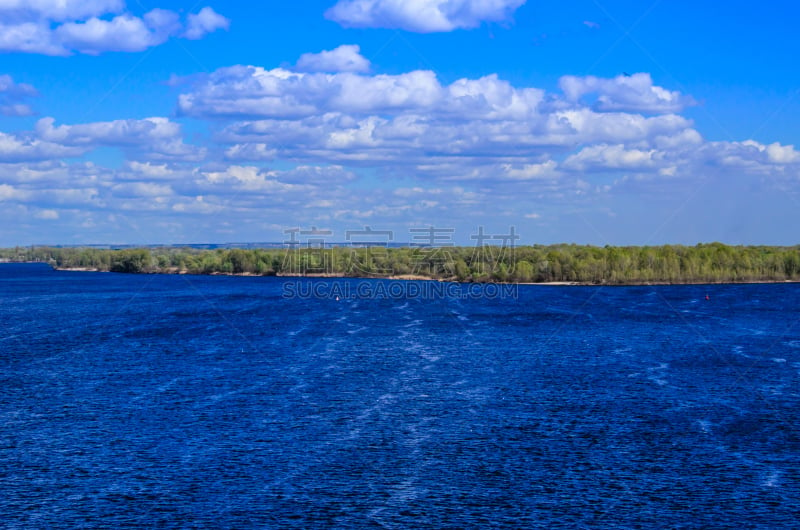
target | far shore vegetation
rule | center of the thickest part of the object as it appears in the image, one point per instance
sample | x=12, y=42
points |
x=703, y=263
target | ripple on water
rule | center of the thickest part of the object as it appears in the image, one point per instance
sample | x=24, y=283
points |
x=569, y=407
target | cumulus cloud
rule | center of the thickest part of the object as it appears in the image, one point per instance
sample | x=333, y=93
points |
x=45, y=198
x=345, y=58
x=251, y=152
x=421, y=16
x=50, y=173
x=752, y=156
x=635, y=93
x=48, y=215
x=414, y=98
x=14, y=148
x=279, y=93
x=483, y=130
x=318, y=175
x=13, y=97
x=117, y=132
x=205, y=22
x=546, y=170
x=408, y=118
x=29, y=37
x=250, y=179
x=57, y=10
x=124, y=33
x=155, y=137
x=168, y=190
x=149, y=170
x=611, y=157
x=311, y=145
x=10, y=193
x=782, y=154
x=63, y=27
x=141, y=189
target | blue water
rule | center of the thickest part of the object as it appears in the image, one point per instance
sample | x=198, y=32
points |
x=215, y=402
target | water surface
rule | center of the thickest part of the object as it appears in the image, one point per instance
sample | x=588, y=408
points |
x=188, y=402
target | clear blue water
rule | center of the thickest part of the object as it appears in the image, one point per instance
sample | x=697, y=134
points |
x=199, y=402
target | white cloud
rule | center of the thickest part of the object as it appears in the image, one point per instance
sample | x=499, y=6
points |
x=250, y=152
x=144, y=187
x=48, y=215
x=249, y=178
x=29, y=37
x=409, y=138
x=279, y=93
x=318, y=175
x=197, y=205
x=345, y=58
x=124, y=33
x=635, y=93
x=156, y=137
x=405, y=105
x=782, y=154
x=685, y=139
x=149, y=170
x=57, y=10
x=50, y=196
x=611, y=157
x=13, y=96
x=307, y=146
x=141, y=189
x=422, y=16
x=49, y=173
x=117, y=132
x=63, y=27
x=16, y=109
x=752, y=156
x=205, y=22
x=546, y=170
x=19, y=149
x=162, y=24
x=472, y=130
x=69, y=196
x=10, y=193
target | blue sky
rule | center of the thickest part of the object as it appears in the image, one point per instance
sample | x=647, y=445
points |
x=601, y=122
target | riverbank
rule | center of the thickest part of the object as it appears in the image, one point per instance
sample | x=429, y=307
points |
x=712, y=263
x=417, y=277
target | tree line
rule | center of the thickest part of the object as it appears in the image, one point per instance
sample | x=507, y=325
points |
x=712, y=262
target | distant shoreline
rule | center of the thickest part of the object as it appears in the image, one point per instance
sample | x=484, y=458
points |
x=552, y=265
x=417, y=277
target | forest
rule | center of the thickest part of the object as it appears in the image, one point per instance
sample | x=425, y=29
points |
x=703, y=263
